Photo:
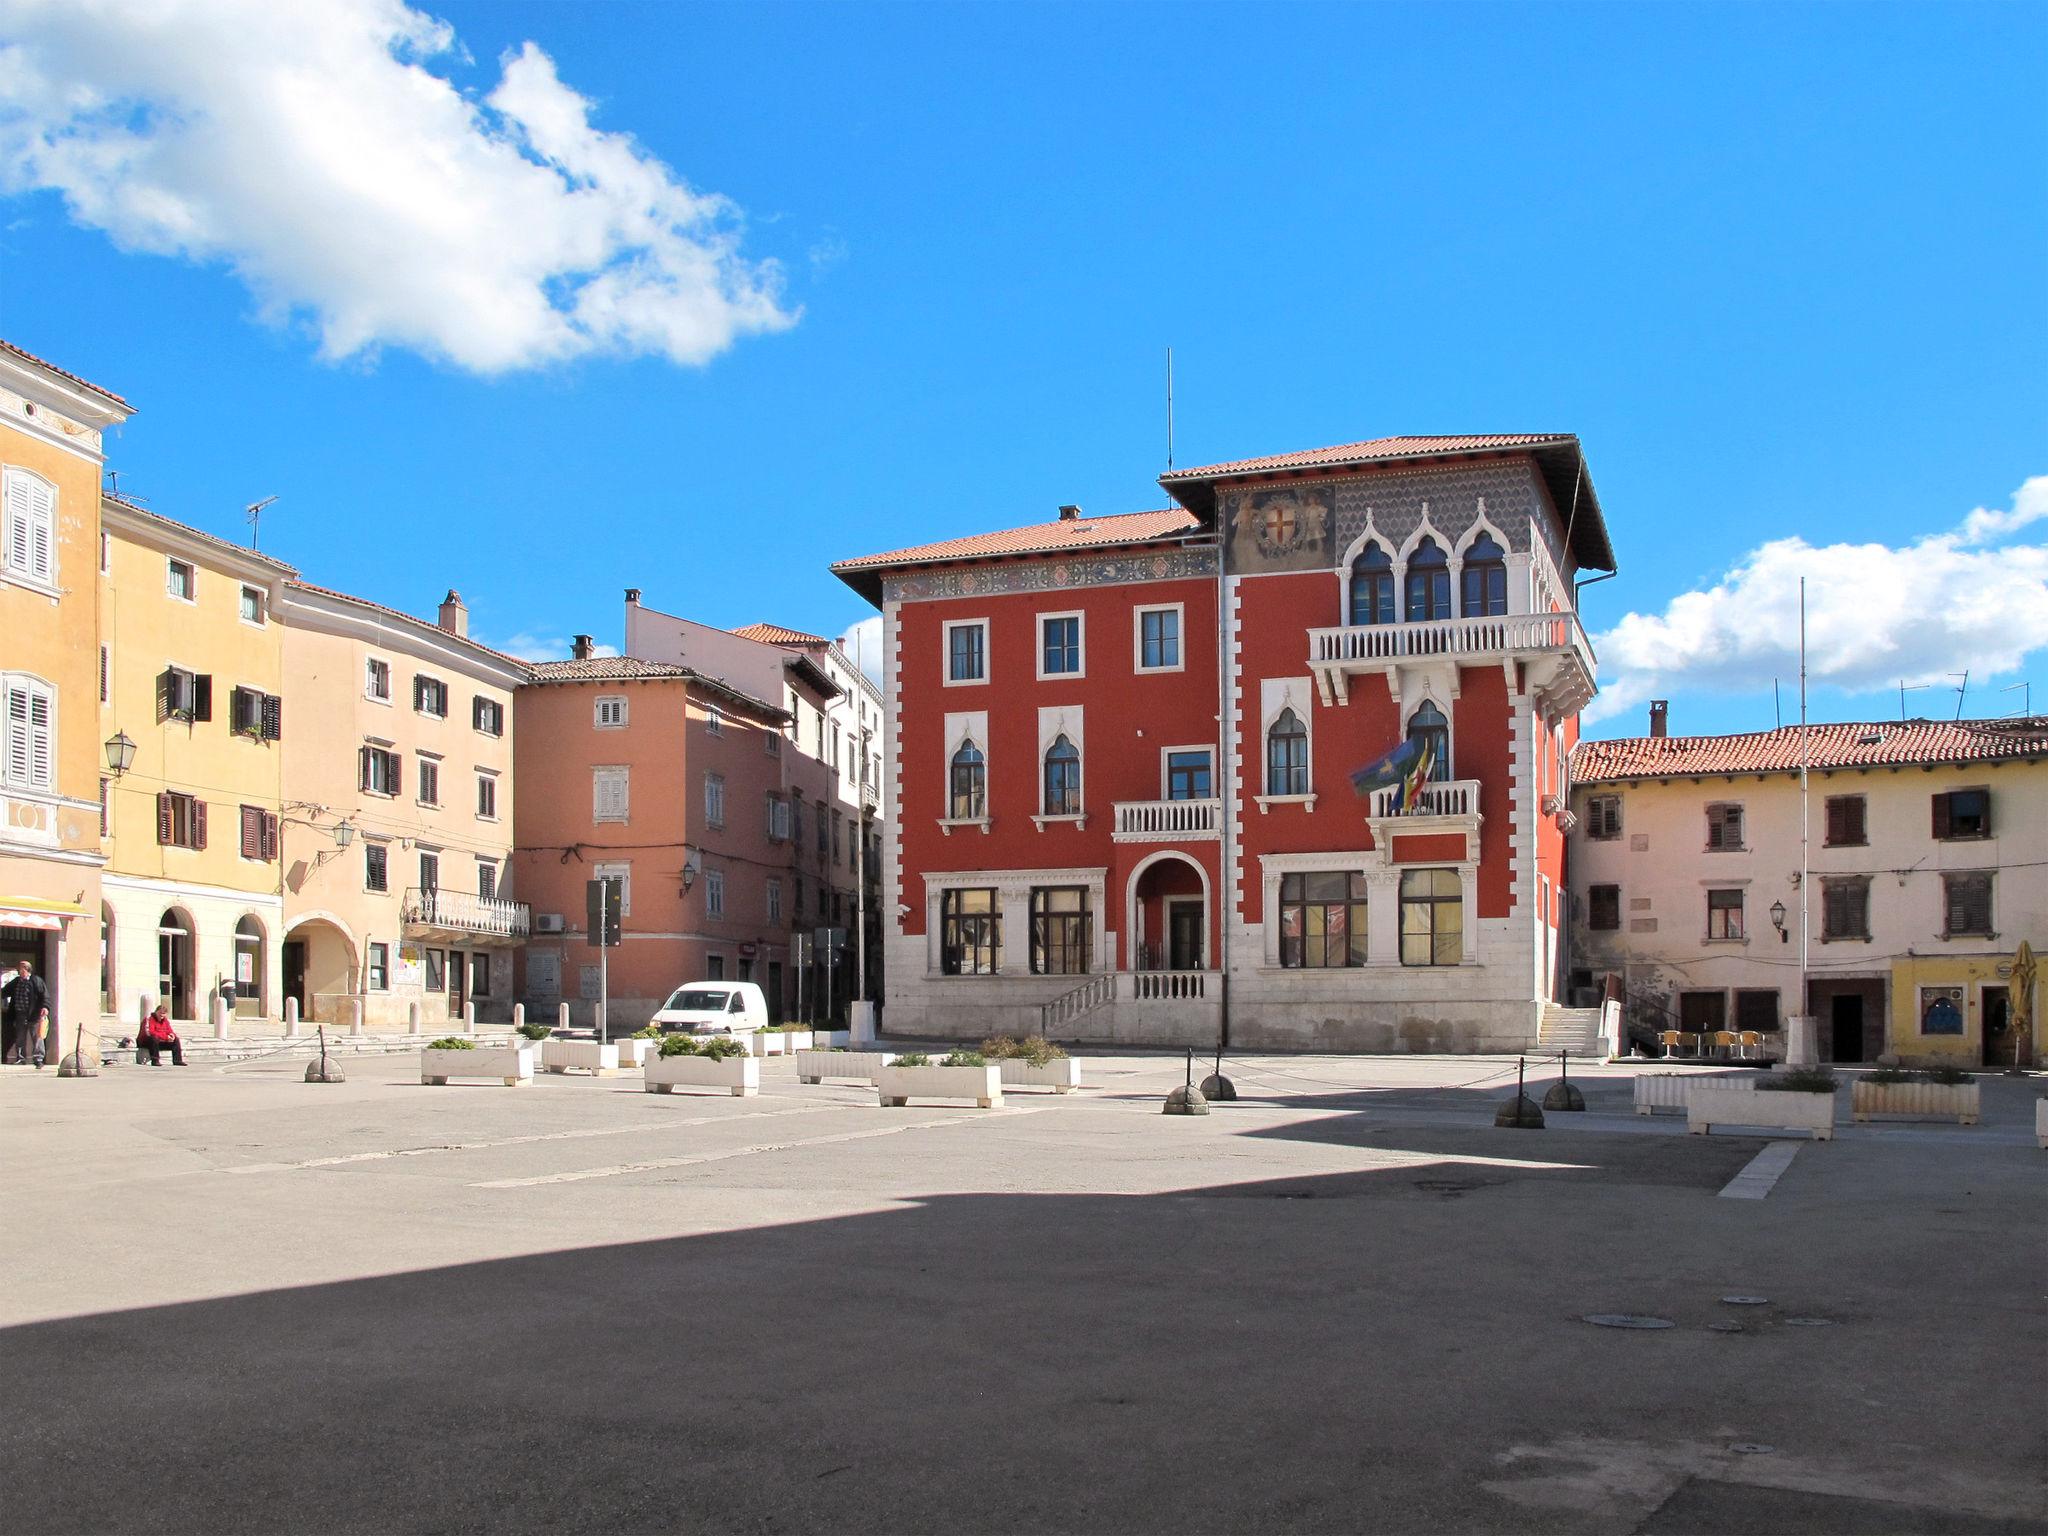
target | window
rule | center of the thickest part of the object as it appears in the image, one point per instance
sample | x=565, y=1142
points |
x=31, y=728
x=824, y=833
x=487, y=881
x=106, y=553
x=437, y=971
x=182, y=695
x=430, y=872
x=430, y=780
x=1287, y=756
x=778, y=818
x=1941, y=1010
x=259, y=716
x=1603, y=908
x=1187, y=776
x=714, y=799
x=835, y=837
x=1724, y=829
x=714, y=720
x=774, y=898
x=609, y=793
x=259, y=834
x=1429, y=583
x=430, y=696
x=181, y=580
x=1322, y=920
x=1059, y=645
x=714, y=967
x=382, y=772
x=1966, y=905
x=967, y=652
x=834, y=759
x=1962, y=813
x=1061, y=939
x=487, y=715
x=714, y=893
x=1603, y=818
x=1846, y=822
x=771, y=743
x=1757, y=1010
x=620, y=874
x=1062, y=779
x=968, y=798
x=1724, y=914
x=1485, y=578
x=1159, y=639
x=487, y=797
x=1432, y=917
x=377, y=679
x=818, y=750
x=106, y=675
x=376, y=867
x=480, y=974
x=1845, y=908
x=1372, y=587
x=180, y=820
x=1428, y=729
x=28, y=548
x=377, y=970
x=254, y=605
x=970, y=933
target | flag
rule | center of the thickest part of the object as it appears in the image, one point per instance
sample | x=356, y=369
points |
x=1409, y=800
x=1392, y=767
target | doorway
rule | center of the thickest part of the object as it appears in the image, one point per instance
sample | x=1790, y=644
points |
x=458, y=982
x=295, y=974
x=31, y=944
x=2001, y=1041
x=1184, y=934
x=1845, y=1026
x=174, y=964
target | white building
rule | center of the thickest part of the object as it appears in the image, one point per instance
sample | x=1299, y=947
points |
x=1927, y=843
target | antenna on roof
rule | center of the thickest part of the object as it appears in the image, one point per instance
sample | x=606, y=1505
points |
x=1963, y=692
x=1169, y=409
x=1903, y=691
x=2026, y=708
x=253, y=513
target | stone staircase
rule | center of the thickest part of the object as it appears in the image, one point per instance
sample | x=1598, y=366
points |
x=1575, y=1031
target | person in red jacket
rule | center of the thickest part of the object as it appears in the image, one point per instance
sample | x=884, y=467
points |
x=158, y=1036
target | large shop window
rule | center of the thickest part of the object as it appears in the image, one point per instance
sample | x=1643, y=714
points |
x=1062, y=779
x=970, y=933
x=969, y=787
x=1322, y=920
x=1485, y=578
x=1432, y=917
x=1060, y=931
x=1287, y=756
x=1429, y=582
x=1372, y=587
x=1428, y=729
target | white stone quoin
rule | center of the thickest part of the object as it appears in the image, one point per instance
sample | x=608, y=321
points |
x=898, y=1085
x=1708, y=1107
x=510, y=1064
x=739, y=1076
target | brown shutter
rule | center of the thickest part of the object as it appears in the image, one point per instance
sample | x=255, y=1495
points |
x=273, y=717
x=252, y=832
x=198, y=823
x=269, y=838
x=397, y=765
x=166, y=680
x=1941, y=817
x=163, y=817
x=202, y=697
x=1837, y=817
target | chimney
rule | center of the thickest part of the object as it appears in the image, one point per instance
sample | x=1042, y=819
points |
x=632, y=597
x=582, y=648
x=454, y=616
x=1659, y=709
x=1069, y=514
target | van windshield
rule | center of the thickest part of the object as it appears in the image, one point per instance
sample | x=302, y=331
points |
x=696, y=1000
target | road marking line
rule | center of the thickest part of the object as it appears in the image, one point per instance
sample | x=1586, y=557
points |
x=655, y=1165
x=1762, y=1172
x=521, y=1141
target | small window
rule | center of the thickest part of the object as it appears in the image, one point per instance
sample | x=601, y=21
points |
x=1724, y=914
x=31, y=734
x=1756, y=1010
x=487, y=716
x=430, y=781
x=106, y=675
x=430, y=872
x=1372, y=588
x=259, y=716
x=487, y=880
x=1845, y=908
x=255, y=606
x=714, y=967
x=970, y=933
x=1060, y=645
x=1188, y=776
x=968, y=797
x=1603, y=818
x=714, y=893
x=967, y=652
x=377, y=679
x=430, y=696
x=1159, y=639
x=1485, y=578
x=774, y=898
x=180, y=821
x=480, y=974
x=1429, y=583
x=1062, y=779
x=28, y=547
x=1966, y=904
x=1846, y=822
x=621, y=875
x=771, y=743
x=1322, y=920
x=778, y=819
x=182, y=695
x=1603, y=908
x=487, y=797
x=1962, y=813
x=259, y=834
x=1724, y=829
x=610, y=790
x=181, y=580
x=437, y=971
x=610, y=711
x=382, y=772
x=376, y=867
x=714, y=720
x=1060, y=932
x=1432, y=917
x=714, y=799
x=1428, y=729
x=1287, y=756
x=377, y=971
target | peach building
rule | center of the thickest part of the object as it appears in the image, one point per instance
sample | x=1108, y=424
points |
x=681, y=787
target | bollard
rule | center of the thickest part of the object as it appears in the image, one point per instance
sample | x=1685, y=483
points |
x=518, y=1014
x=469, y=1018
x=1187, y=1099
x=220, y=1017
x=355, y=1015
x=1519, y=1113
x=1562, y=1094
x=562, y=1016
x=291, y=1016
x=412, y=1018
x=1217, y=1088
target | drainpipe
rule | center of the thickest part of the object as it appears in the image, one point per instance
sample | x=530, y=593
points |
x=1228, y=791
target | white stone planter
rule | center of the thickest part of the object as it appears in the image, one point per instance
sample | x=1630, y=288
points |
x=1956, y=1101
x=2041, y=1123
x=510, y=1064
x=861, y=1066
x=1707, y=1107
x=768, y=1042
x=794, y=1040
x=1670, y=1090
x=579, y=1056
x=899, y=1085
x=1062, y=1075
x=739, y=1076
x=633, y=1052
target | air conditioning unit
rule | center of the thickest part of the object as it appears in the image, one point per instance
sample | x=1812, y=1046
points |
x=548, y=922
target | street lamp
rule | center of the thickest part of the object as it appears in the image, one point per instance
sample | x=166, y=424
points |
x=1778, y=921
x=344, y=834
x=120, y=753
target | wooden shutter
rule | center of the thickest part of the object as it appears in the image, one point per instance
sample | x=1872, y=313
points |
x=252, y=832
x=17, y=552
x=166, y=693
x=198, y=822
x=363, y=768
x=396, y=766
x=163, y=816
x=1985, y=829
x=269, y=837
x=202, y=697
x=1838, y=821
x=273, y=717
x=1941, y=816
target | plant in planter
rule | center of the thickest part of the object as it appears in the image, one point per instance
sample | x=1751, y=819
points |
x=1034, y=1062
x=456, y=1056
x=1888, y=1075
x=963, y=1059
x=713, y=1061
x=956, y=1075
x=451, y=1043
x=1941, y=1091
x=913, y=1059
x=1949, y=1077
x=1799, y=1080
x=534, y=1031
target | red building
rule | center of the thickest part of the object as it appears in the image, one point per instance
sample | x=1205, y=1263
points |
x=1093, y=832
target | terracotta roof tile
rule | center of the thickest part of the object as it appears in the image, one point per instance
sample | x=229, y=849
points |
x=1848, y=745
x=1374, y=448
x=623, y=669
x=411, y=618
x=65, y=373
x=775, y=634
x=1038, y=538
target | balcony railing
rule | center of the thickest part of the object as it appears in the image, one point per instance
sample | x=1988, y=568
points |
x=1557, y=637
x=1168, y=986
x=1158, y=821
x=1446, y=797
x=465, y=913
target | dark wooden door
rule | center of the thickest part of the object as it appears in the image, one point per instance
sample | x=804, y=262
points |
x=1846, y=1021
x=1184, y=936
x=458, y=982
x=295, y=974
x=1999, y=1038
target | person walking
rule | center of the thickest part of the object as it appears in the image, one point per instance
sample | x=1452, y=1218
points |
x=24, y=1016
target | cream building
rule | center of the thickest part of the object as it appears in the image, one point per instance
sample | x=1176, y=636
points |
x=51, y=426
x=191, y=693
x=1928, y=858
x=398, y=814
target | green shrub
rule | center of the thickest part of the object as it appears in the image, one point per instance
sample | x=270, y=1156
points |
x=451, y=1043
x=1891, y=1075
x=963, y=1059
x=719, y=1047
x=536, y=1031
x=651, y=1032
x=1799, y=1080
x=913, y=1059
x=679, y=1045
x=1948, y=1076
x=1000, y=1048
x=1039, y=1051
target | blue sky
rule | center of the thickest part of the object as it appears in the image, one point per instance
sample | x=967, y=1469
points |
x=1781, y=268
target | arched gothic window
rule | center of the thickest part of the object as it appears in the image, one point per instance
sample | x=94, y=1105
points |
x=1428, y=727
x=1062, y=778
x=1287, y=756
x=1485, y=578
x=1429, y=582
x=969, y=783
x=1372, y=587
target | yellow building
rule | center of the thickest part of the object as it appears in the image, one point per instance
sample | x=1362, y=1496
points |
x=191, y=662
x=50, y=855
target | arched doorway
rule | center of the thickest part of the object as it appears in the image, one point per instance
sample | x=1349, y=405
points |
x=109, y=977
x=252, y=978
x=1169, y=914
x=319, y=969
x=176, y=937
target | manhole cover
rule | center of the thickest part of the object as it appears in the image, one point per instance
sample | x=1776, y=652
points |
x=1809, y=1322
x=1746, y=1301
x=1724, y=1327
x=1624, y=1320
x=1751, y=1448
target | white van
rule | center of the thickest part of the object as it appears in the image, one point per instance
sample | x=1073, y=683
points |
x=713, y=1008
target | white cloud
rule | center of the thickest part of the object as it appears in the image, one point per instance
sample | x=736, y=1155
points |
x=309, y=147
x=528, y=646
x=1875, y=615
x=863, y=642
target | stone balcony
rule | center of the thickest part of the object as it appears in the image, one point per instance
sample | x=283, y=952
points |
x=1552, y=646
x=1167, y=821
x=1439, y=797
x=460, y=916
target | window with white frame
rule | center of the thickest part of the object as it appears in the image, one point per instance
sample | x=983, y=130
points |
x=1062, y=778
x=622, y=872
x=714, y=893
x=181, y=579
x=610, y=793
x=1158, y=639
x=377, y=680
x=31, y=731
x=487, y=797
x=1287, y=755
x=429, y=780
x=778, y=819
x=430, y=696
x=966, y=651
x=487, y=716
x=28, y=547
x=610, y=711
x=1059, y=645
x=714, y=720
x=255, y=606
x=714, y=799
x=968, y=784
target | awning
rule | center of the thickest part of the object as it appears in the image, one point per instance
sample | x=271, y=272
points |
x=28, y=917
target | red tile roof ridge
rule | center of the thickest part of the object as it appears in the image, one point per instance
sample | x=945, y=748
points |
x=1373, y=448
x=154, y=516
x=776, y=634
x=65, y=373
x=1039, y=538
x=1830, y=745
